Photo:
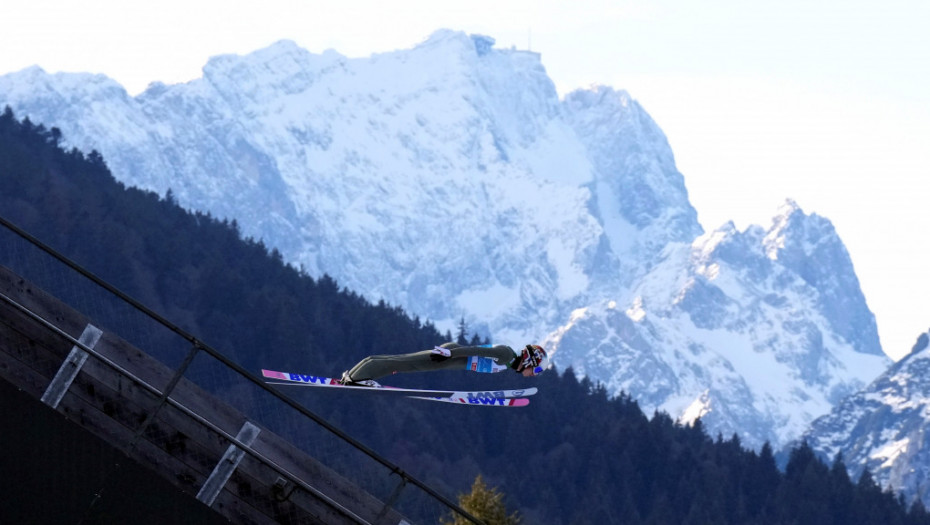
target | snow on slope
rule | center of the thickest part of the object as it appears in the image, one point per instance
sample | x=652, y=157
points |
x=450, y=179
x=728, y=328
x=883, y=428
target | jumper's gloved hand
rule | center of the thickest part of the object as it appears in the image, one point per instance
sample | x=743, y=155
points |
x=440, y=354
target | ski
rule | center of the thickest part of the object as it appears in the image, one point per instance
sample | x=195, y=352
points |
x=480, y=401
x=291, y=379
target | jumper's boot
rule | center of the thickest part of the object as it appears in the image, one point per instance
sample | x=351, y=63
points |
x=347, y=381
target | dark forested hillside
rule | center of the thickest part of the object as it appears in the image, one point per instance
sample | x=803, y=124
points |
x=573, y=456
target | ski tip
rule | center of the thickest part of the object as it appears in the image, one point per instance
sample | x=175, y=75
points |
x=273, y=374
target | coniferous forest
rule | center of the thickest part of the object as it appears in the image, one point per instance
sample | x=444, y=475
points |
x=574, y=455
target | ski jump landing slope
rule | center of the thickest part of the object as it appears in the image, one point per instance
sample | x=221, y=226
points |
x=203, y=449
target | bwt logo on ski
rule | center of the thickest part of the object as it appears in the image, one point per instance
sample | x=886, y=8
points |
x=309, y=379
x=496, y=394
x=476, y=400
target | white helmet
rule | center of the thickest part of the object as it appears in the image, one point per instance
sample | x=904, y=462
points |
x=535, y=358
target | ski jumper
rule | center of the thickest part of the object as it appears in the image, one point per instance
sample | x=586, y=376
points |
x=476, y=358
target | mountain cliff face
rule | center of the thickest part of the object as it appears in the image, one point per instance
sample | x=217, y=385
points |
x=734, y=328
x=450, y=179
x=883, y=427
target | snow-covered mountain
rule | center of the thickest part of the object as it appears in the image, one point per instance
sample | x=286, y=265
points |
x=756, y=332
x=885, y=428
x=450, y=179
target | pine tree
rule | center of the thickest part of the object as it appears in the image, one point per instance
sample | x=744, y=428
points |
x=461, y=338
x=485, y=503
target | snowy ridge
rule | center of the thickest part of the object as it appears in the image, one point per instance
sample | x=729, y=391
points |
x=727, y=328
x=883, y=428
x=450, y=179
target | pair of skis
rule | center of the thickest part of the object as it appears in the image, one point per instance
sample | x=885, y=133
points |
x=502, y=398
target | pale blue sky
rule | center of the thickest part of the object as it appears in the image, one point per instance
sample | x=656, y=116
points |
x=825, y=102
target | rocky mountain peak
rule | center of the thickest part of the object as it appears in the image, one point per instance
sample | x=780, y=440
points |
x=809, y=246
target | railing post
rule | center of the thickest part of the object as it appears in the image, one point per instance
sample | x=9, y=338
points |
x=70, y=367
x=165, y=393
x=389, y=502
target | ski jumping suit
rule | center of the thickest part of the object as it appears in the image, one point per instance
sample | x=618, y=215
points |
x=463, y=357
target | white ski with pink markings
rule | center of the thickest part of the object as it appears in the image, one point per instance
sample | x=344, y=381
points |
x=514, y=398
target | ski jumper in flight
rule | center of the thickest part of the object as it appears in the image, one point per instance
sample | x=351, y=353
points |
x=529, y=362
